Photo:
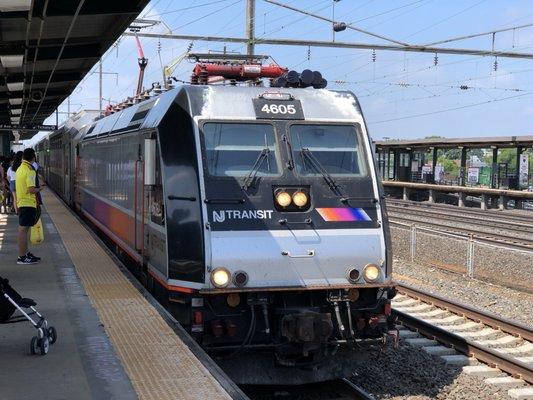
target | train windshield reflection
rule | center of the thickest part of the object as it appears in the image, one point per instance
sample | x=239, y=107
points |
x=232, y=149
x=335, y=147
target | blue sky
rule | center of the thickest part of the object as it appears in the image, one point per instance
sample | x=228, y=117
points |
x=403, y=95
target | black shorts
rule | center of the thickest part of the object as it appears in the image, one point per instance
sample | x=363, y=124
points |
x=27, y=216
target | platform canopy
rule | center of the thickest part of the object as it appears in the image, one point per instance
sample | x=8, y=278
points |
x=47, y=47
x=473, y=142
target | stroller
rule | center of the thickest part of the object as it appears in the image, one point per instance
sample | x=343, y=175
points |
x=10, y=301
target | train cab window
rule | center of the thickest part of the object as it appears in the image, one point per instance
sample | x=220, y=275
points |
x=232, y=149
x=335, y=148
x=157, y=212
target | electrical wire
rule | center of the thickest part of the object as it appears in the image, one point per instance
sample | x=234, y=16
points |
x=386, y=12
x=446, y=19
x=450, y=109
x=191, y=7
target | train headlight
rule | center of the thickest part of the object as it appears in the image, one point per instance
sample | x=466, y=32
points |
x=371, y=272
x=300, y=199
x=220, y=277
x=284, y=199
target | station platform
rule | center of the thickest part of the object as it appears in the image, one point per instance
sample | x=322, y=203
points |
x=114, y=342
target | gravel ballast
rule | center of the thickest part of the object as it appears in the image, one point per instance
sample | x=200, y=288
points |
x=503, y=301
x=408, y=373
x=496, y=264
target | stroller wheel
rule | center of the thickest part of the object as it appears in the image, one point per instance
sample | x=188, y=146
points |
x=44, y=344
x=34, y=346
x=52, y=334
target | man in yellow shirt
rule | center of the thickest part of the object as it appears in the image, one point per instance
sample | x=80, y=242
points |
x=26, y=204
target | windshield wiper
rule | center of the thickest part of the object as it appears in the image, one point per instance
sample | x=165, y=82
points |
x=255, y=169
x=290, y=163
x=305, y=152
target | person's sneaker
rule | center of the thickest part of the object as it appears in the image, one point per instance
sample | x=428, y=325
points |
x=33, y=257
x=25, y=260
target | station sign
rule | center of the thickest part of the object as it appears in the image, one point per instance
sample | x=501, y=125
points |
x=28, y=127
x=523, y=170
x=473, y=175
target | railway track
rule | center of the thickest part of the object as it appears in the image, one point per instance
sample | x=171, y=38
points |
x=514, y=240
x=483, y=223
x=504, y=345
x=508, y=216
x=341, y=389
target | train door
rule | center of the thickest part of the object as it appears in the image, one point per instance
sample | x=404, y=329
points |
x=66, y=165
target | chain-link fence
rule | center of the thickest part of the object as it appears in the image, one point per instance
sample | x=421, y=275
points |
x=465, y=254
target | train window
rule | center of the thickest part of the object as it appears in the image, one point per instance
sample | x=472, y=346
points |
x=232, y=149
x=335, y=148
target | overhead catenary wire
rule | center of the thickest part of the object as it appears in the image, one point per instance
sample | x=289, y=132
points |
x=474, y=35
x=186, y=8
x=446, y=19
x=450, y=109
x=349, y=26
x=386, y=12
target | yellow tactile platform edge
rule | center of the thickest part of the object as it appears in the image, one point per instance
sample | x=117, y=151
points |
x=158, y=363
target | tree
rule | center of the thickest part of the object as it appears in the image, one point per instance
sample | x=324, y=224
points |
x=449, y=166
x=452, y=154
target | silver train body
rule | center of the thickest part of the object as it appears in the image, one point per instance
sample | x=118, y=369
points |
x=255, y=215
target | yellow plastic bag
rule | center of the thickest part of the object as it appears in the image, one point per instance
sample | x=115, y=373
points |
x=37, y=233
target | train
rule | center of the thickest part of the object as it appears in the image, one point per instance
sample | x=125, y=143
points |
x=254, y=214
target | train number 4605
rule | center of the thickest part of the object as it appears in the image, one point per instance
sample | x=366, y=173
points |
x=287, y=109
x=279, y=109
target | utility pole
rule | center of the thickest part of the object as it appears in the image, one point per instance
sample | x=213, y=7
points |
x=250, y=26
x=100, y=87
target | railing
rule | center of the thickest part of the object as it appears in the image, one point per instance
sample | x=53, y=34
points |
x=504, y=195
x=467, y=254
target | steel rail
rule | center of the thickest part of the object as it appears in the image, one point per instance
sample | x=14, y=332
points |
x=509, y=216
x=468, y=347
x=504, y=240
x=450, y=216
x=511, y=327
x=360, y=393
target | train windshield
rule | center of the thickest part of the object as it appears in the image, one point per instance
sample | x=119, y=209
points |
x=233, y=149
x=334, y=149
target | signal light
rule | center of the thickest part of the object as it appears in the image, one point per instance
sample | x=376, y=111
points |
x=240, y=278
x=353, y=275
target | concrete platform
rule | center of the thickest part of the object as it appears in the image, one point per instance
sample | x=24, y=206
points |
x=96, y=310
x=82, y=364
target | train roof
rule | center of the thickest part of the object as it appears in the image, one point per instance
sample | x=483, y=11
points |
x=225, y=102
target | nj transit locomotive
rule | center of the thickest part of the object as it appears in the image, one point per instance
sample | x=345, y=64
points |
x=255, y=215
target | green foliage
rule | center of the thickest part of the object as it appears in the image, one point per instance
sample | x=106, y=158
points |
x=453, y=154
x=449, y=166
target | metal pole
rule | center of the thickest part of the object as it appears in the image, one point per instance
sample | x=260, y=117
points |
x=68, y=107
x=434, y=161
x=347, y=45
x=250, y=26
x=100, y=87
x=463, y=174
